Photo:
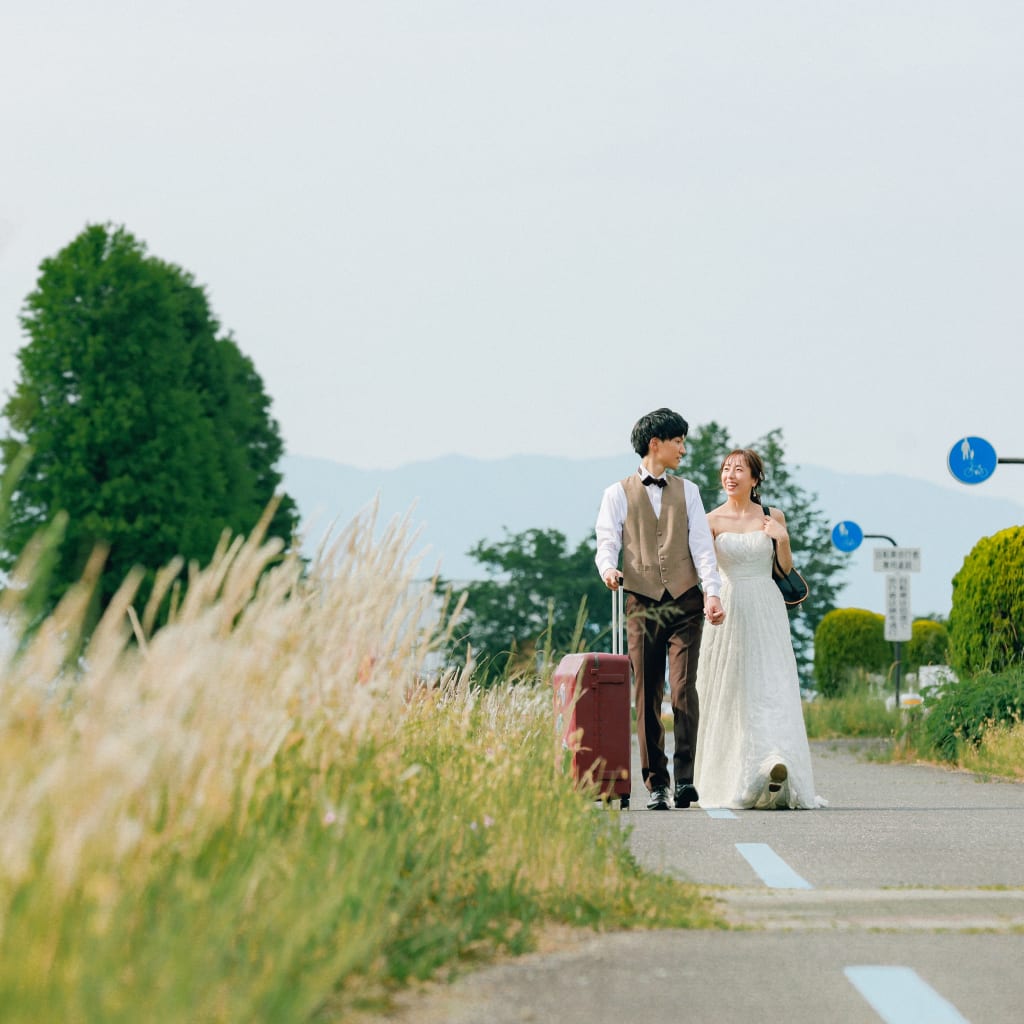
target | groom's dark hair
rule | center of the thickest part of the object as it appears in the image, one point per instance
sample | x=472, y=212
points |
x=662, y=424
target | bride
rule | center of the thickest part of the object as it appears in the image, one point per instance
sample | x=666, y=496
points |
x=752, y=747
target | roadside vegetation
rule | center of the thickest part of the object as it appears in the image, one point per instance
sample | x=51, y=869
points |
x=976, y=724
x=859, y=711
x=269, y=809
x=973, y=716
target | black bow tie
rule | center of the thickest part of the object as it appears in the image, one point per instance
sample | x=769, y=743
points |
x=658, y=481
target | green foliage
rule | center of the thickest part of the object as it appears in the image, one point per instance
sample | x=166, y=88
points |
x=320, y=894
x=146, y=427
x=965, y=711
x=986, y=623
x=846, y=641
x=859, y=711
x=927, y=646
x=540, y=596
x=810, y=531
x=706, y=447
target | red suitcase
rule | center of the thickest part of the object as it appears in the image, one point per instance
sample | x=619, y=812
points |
x=592, y=712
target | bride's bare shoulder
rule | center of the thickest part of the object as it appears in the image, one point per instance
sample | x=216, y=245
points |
x=715, y=520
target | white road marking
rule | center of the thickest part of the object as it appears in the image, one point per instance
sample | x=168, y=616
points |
x=771, y=868
x=899, y=996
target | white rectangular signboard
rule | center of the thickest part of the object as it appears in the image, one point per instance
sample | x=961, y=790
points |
x=898, y=620
x=897, y=559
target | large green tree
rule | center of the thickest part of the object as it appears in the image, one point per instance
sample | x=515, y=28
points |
x=150, y=429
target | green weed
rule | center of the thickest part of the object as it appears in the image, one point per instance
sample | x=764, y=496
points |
x=275, y=808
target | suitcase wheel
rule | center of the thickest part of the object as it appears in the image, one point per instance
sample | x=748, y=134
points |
x=624, y=803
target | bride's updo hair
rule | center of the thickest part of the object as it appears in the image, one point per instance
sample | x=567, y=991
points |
x=754, y=464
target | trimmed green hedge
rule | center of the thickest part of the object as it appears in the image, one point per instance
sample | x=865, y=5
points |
x=848, y=639
x=986, y=624
x=928, y=645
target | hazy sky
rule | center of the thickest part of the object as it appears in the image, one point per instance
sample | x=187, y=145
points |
x=493, y=228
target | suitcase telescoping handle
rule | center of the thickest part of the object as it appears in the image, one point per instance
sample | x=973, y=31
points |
x=618, y=622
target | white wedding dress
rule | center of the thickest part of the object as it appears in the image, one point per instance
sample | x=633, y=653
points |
x=751, y=719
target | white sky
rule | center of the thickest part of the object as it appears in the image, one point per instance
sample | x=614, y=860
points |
x=493, y=228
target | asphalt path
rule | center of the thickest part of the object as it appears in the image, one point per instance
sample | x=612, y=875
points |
x=902, y=902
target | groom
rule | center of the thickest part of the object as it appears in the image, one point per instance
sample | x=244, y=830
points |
x=658, y=525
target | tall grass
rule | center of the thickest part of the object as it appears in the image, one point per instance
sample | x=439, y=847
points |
x=270, y=809
x=1000, y=752
x=974, y=723
x=859, y=711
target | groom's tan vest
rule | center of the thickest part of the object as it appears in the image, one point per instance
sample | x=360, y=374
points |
x=656, y=551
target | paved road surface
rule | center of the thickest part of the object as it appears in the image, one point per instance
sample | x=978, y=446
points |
x=902, y=902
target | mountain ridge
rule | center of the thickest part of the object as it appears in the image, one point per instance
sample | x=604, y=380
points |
x=454, y=501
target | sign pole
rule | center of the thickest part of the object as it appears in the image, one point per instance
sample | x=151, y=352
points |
x=897, y=564
x=897, y=646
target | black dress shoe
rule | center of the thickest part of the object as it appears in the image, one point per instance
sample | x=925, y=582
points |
x=659, y=799
x=686, y=794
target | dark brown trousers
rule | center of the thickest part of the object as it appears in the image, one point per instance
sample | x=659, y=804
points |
x=656, y=631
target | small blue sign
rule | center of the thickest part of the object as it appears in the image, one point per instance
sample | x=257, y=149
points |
x=847, y=535
x=972, y=460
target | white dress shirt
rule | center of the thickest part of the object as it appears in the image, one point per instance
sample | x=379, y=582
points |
x=612, y=516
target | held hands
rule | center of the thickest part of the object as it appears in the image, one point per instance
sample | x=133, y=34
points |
x=713, y=611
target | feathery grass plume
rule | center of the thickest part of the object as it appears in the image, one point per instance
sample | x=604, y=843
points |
x=220, y=688
x=278, y=804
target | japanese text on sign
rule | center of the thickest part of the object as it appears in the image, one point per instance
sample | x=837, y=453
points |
x=898, y=620
x=897, y=559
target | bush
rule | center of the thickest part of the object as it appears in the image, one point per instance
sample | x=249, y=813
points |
x=988, y=606
x=847, y=640
x=965, y=711
x=928, y=642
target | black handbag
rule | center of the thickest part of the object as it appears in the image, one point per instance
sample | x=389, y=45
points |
x=793, y=586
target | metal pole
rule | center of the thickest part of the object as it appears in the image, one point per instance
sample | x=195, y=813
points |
x=897, y=649
x=897, y=646
x=882, y=536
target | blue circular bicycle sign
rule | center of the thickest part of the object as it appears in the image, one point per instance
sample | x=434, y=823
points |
x=972, y=460
x=847, y=535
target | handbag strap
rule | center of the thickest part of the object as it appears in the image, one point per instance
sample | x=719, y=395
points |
x=768, y=512
x=776, y=568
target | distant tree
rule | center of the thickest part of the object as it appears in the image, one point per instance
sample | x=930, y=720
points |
x=706, y=447
x=818, y=560
x=810, y=533
x=147, y=428
x=532, y=601
x=251, y=444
